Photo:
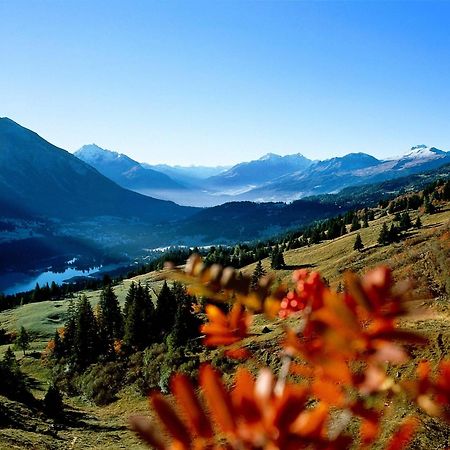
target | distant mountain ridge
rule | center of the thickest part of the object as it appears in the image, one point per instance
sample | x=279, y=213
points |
x=335, y=174
x=125, y=171
x=271, y=178
x=259, y=171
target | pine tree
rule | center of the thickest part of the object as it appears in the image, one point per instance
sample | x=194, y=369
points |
x=53, y=404
x=186, y=325
x=166, y=309
x=131, y=295
x=393, y=234
x=110, y=319
x=86, y=341
x=405, y=221
x=140, y=321
x=58, y=349
x=446, y=191
x=277, y=258
x=428, y=205
x=418, y=223
x=383, y=237
x=356, y=225
x=9, y=359
x=258, y=273
x=23, y=340
x=366, y=221
x=358, y=243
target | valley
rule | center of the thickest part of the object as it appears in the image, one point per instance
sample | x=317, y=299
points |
x=421, y=255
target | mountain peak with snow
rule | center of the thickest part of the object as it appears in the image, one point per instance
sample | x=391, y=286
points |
x=423, y=151
x=92, y=152
x=269, y=156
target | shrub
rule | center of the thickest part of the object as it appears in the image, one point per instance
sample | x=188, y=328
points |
x=101, y=382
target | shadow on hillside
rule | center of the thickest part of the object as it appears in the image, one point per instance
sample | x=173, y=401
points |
x=298, y=266
x=74, y=418
x=32, y=383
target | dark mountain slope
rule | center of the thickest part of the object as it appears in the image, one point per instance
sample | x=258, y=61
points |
x=38, y=178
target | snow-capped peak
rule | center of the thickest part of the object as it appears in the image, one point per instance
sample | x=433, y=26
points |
x=93, y=152
x=269, y=156
x=423, y=152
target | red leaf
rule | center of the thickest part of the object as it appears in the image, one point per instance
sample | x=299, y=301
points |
x=403, y=435
x=188, y=401
x=170, y=419
x=218, y=398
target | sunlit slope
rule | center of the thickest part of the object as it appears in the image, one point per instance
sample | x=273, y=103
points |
x=411, y=257
x=332, y=258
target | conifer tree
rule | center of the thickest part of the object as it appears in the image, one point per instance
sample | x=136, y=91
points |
x=186, y=324
x=9, y=359
x=86, y=341
x=446, y=191
x=277, y=258
x=58, y=350
x=110, y=319
x=405, y=221
x=258, y=273
x=358, y=243
x=418, y=223
x=428, y=205
x=140, y=320
x=356, y=225
x=383, y=237
x=393, y=234
x=53, y=403
x=366, y=221
x=166, y=309
x=131, y=294
x=23, y=340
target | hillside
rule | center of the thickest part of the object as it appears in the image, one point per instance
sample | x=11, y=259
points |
x=422, y=255
x=43, y=180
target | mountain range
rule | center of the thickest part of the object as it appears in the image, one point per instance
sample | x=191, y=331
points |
x=270, y=178
x=56, y=207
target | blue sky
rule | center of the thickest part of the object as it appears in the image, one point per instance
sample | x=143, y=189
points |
x=217, y=82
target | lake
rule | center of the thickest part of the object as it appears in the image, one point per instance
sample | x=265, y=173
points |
x=14, y=282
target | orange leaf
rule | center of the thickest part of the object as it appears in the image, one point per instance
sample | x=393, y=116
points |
x=170, y=419
x=403, y=435
x=369, y=431
x=301, y=370
x=238, y=353
x=216, y=315
x=328, y=392
x=218, y=398
x=243, y=396
x=290, y=406
x=145, y=430
x=311, y=422
x=188, y=401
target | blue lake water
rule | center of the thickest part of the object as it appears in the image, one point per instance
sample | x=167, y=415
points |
x=12, y=283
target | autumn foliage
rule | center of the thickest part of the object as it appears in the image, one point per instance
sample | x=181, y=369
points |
x=339, y=350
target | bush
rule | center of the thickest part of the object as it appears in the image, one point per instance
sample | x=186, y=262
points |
x=101, y=382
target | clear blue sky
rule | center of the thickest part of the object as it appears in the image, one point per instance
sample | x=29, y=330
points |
x=217, y=82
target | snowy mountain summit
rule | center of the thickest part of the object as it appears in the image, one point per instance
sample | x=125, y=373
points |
x=92, y=152
x=423, y=151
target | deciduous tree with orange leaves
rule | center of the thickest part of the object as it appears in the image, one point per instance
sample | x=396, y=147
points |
x=337, y=354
